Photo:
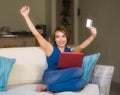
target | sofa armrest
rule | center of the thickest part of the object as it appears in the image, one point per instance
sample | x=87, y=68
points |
x=102, y=76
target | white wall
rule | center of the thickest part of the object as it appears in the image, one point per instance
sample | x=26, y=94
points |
x=10, y=16
x=106, y=16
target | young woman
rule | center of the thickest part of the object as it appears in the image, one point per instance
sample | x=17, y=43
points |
x=58, y=80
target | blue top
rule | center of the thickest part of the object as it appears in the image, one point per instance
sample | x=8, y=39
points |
x=52, y=60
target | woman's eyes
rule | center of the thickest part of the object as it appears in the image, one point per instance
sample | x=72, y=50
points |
x=63, y=35
x=57, y=36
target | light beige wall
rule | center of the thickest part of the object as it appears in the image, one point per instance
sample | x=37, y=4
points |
x=10, y=16
x=106, y=16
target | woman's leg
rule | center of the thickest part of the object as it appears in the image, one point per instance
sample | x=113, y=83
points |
x=71, y=85
x=62, y=75
x=59, y=76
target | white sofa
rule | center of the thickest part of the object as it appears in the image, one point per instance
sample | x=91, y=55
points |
x=28, y=69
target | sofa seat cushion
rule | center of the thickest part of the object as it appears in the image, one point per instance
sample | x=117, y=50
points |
x=29, y=89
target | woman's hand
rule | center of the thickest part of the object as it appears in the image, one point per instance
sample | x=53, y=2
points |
x=87, y=42
x=93, y=30
x=25, y=10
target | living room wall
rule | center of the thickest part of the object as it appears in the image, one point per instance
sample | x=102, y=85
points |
x=106, y=18
x=10, y=15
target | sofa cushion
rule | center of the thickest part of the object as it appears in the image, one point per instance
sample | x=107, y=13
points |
x=90, y=89
x=6, y=65
x=88, y=63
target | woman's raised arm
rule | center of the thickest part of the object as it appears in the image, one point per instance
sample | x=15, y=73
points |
x=87, y=42
x=48, y=48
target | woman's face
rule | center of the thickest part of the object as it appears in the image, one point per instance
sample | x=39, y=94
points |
x=60, y=39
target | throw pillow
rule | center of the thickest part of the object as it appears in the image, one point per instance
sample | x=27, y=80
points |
x=6, y=65
x=88, y=63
